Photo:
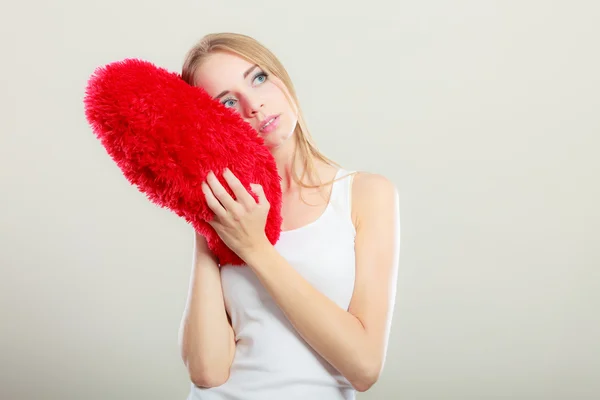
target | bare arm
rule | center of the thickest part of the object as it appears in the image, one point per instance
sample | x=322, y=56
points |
x=353, y=341
x=206, y=337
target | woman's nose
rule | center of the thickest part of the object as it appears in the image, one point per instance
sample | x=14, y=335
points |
x=253, y=107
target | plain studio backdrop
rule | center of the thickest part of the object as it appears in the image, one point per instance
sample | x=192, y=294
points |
x=485, y=114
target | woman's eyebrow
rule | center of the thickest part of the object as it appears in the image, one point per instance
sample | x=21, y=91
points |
x=250, y=70
x=224, y=92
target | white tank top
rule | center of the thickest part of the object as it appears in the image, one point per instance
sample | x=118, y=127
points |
x=272, y=361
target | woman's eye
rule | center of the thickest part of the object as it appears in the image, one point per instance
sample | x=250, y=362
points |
x=260, y=78
x=229, y=103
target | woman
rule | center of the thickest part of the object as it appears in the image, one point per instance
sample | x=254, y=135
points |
x=307, y=318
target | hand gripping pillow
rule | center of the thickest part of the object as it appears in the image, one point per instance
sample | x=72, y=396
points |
x=166, y=135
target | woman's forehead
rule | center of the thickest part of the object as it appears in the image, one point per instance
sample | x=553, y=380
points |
x=221, y=71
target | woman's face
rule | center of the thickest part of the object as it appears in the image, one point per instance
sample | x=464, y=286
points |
x=247, y=90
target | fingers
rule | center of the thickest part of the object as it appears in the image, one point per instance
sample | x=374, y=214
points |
x=223, y=204
x=239, y=190
x=260, y=193
x=212, y=201
x=227, y=202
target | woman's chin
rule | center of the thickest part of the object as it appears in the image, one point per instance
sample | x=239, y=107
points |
x=273, y=144
x=275, y=140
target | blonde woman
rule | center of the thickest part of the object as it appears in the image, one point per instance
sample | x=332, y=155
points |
x=307, y=318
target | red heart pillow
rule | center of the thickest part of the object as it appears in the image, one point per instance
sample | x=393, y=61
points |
x=166, y=135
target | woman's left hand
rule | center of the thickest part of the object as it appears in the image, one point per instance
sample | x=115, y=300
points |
x=239, y=222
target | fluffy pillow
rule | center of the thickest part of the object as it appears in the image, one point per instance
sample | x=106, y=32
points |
x=166, y=135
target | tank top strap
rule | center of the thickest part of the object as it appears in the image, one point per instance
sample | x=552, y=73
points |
x=341, y=193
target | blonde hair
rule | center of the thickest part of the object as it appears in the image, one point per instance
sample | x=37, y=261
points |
x=253, y=51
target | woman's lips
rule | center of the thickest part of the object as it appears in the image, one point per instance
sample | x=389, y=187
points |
x=270, y=124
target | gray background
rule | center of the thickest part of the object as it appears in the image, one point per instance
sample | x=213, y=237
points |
x=484, y=113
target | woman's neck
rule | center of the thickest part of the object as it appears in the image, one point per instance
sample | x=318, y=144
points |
x=287, y=165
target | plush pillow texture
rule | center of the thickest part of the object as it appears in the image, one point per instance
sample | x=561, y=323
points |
x=166, y=135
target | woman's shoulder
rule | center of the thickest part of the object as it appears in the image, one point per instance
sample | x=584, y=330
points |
x=372, y=193
x=371, y=183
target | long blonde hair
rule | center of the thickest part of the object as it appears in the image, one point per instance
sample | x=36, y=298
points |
x=253, y=51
